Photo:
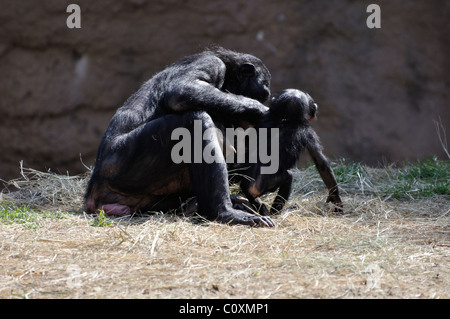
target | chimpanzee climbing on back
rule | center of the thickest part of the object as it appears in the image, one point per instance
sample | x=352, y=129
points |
x=134, y=169
x=291, y=111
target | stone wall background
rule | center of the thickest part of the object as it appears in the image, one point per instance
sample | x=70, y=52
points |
x=379, y=90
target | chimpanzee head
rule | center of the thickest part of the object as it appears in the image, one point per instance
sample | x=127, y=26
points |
x=245, y=74
x=293, y=106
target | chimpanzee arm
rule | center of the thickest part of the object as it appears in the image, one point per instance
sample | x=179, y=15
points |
x=283, y=194
x=198, y=88
x=324, y=168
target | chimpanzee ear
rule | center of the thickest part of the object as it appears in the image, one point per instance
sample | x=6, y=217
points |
x=308, y=117
x=247, y=70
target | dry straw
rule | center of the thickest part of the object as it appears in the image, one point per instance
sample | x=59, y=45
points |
x=379, y=247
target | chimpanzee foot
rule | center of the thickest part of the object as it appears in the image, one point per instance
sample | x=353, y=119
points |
x=337, y=202
x=338, y=208
x=239, y=217
x=116, y=210
x=240, y=203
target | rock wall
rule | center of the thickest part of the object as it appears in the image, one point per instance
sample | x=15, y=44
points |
x=379, y=90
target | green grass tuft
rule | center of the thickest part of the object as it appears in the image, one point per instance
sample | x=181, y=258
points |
x=345, y=172
x=27, y=216
x=413, y=180
x=422, y=179
x=101, y=220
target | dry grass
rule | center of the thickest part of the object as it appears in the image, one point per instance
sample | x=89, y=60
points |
x=380, y=247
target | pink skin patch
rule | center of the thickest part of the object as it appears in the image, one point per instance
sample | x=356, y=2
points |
x=116, y=210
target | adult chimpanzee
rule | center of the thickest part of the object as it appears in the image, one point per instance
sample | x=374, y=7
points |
x=134, y=169
x=291, y=111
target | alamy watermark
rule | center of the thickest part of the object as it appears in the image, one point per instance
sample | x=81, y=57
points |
x=258, y=141
x=74, y=19
x=374, y=19
x=190, y=148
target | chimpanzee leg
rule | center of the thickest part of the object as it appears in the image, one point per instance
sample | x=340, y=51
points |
x=140, y=163
x=283, y=194
x=141, y=169
x=263, y=183
x=134, y=171
x=252, y=193
x=210, y=184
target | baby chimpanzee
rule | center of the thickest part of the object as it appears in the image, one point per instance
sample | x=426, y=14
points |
x=291, y=111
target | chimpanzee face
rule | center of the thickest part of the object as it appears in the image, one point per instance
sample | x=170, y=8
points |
x=254, y=80
x=248, y=76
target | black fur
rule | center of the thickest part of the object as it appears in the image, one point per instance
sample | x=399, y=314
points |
x=291, y=112
x=134, y=170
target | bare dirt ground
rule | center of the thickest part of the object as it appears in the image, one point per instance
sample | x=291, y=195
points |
x=376, y=249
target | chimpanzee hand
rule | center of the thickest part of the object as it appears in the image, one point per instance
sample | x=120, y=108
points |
x=253, y=112
x=336, y=200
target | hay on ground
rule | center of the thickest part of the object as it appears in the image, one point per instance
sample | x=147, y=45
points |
x=379, y=247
